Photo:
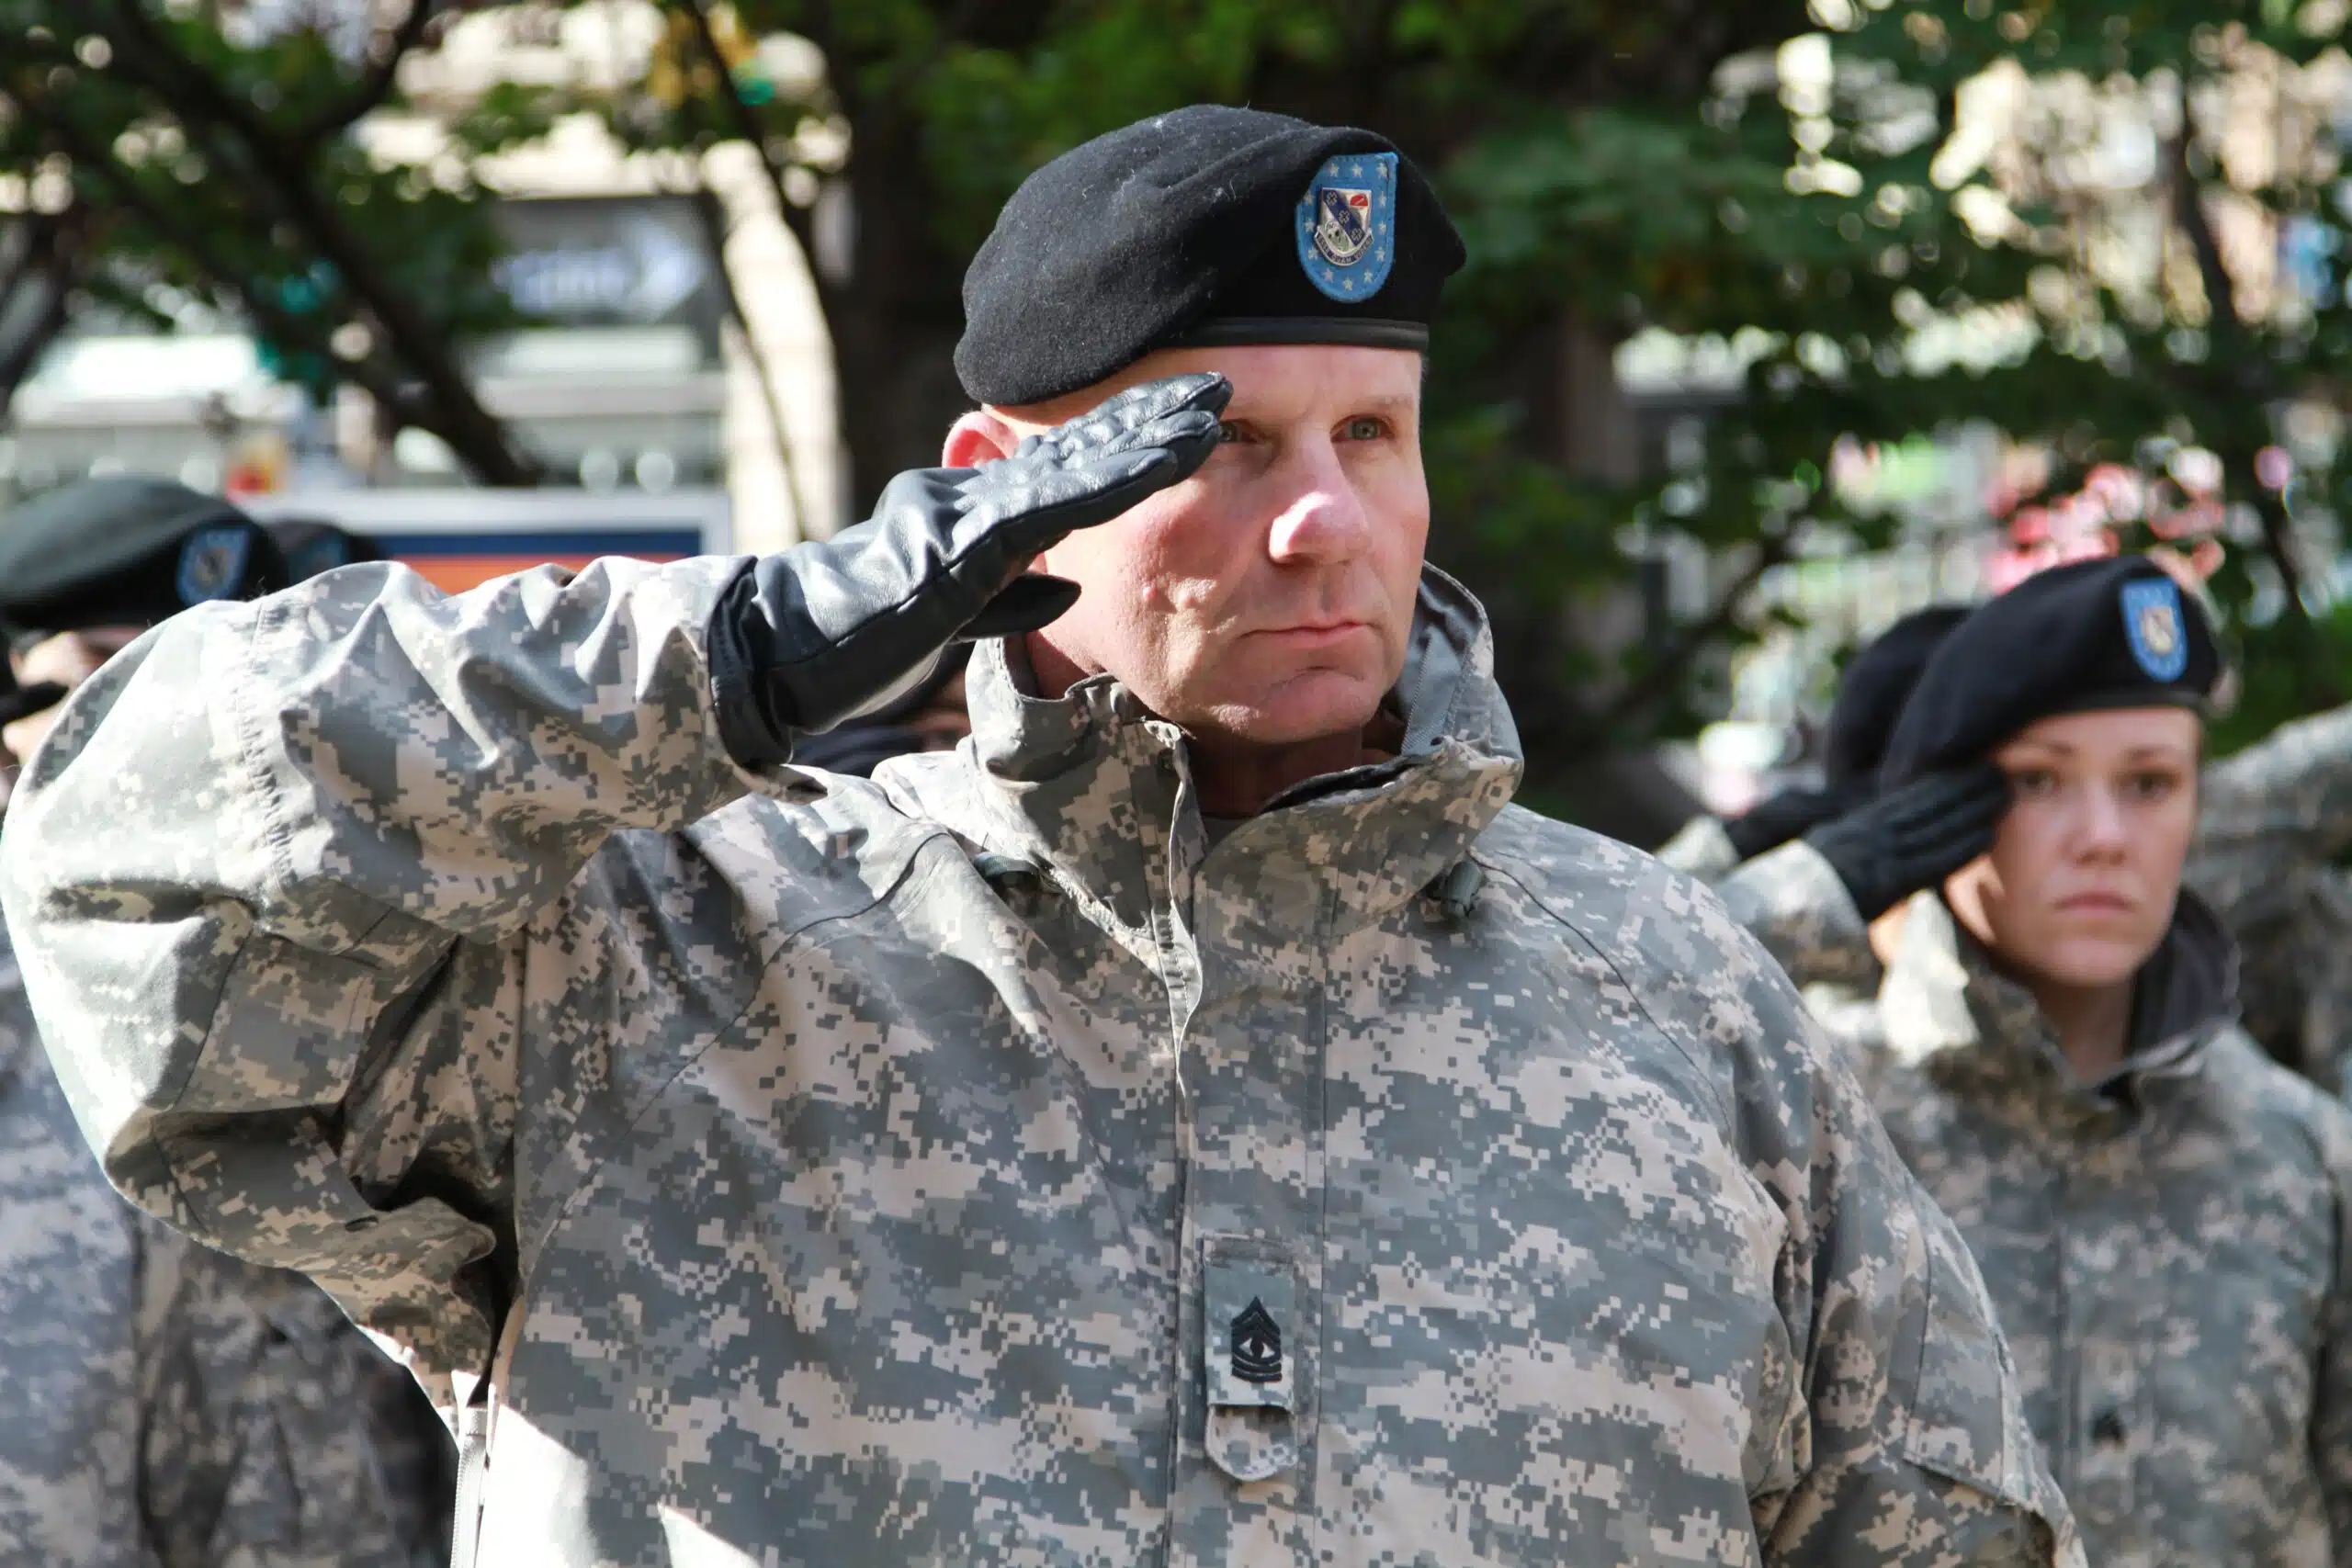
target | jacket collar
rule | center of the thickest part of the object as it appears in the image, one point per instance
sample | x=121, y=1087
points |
x=1949, y=1009
x=1094, y=787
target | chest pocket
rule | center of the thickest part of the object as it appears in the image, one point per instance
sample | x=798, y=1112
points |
x=1965, y=1415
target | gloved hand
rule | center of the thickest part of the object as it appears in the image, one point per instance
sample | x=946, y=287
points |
x=1913, y=835
x=1790, y=814
x=836, y=628
x=20, y=702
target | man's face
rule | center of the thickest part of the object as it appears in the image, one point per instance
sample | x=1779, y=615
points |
x=1267, y=599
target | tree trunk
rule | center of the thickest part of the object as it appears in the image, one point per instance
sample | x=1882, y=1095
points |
x=896, y=318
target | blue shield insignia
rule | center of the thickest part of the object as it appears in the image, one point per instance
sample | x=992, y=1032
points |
x=1347, y=222
x=212, y=562
x=2152, y=625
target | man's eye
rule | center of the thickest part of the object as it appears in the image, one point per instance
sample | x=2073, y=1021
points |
x=1227, y=431
x=1366, y=429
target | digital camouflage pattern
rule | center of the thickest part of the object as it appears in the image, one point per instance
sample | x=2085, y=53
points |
x=1701, y=848
x=2272, y=822
x=855, y=1163
x=165, y=1406
x=2167, y=1249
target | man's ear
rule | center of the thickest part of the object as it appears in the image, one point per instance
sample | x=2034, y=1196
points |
x=979, y=437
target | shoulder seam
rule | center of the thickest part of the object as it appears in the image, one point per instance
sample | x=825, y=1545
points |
x=1640, y=1004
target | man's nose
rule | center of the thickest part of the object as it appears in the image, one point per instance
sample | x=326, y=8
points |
x=1324, y=522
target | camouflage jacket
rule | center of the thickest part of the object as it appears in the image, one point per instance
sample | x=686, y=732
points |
x=166, y=1406
x=2168, y=1250
x=2274, y=818
x=2271, y=821
x=976, y=1165
x=1701, y=848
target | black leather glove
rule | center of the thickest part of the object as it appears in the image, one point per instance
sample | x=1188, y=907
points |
x=836, y=628
x=1790, y=814
x=22, y=701
x=1914, y=836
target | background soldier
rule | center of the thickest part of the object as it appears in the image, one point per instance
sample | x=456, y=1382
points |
x=2164, y=1216
x=2272, y=821
x=2276, y=819
x=1198, y=1121
x=164, y=1404
x=1871, y=694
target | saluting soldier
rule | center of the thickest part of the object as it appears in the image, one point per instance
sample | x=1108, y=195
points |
x=161, y=1405
x=2164, y=1215
x=1198, y=1121
x=2273, y=822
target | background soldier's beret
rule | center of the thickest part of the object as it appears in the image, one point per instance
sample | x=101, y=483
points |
x=1872, y=693
x=2115, y=633
x=127, y=550
x=1205, y=226
x=314, y=544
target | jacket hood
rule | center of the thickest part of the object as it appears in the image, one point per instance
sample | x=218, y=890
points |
x=1946, y=1001
x=1095, y=788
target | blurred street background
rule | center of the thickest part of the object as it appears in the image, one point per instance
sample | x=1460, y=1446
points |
x=1781, y=319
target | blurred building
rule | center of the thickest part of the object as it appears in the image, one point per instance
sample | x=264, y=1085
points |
x=635, y=376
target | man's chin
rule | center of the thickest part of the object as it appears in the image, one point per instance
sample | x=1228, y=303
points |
x=1299, y=713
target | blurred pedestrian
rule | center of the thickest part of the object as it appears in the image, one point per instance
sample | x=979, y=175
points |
x=1196, y=1121
x=161, y=1403
x=2163, y=1215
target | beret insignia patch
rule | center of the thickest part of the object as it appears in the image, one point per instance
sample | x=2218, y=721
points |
x=2152, y=624
x=1347, y=239
x=212, y=562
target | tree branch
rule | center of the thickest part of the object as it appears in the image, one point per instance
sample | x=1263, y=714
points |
x=92, y=163
x=714, y=228
x=1667, y=672
x=2220, y=289
x=205, y=108
x=376, y=85
x=50, y=259
x=40, y=232
x=747, y=128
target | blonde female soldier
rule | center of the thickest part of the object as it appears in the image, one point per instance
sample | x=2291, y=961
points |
x=2160, y=1211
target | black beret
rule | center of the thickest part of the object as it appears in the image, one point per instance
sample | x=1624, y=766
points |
x=314, y=544
x=1205, y=226
x=2113, y=633
x=1876, y=685
x=127, y=550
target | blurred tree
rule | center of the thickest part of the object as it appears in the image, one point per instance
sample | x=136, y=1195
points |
x=1806, y=180
x=892, y=167
x=2167, y=177
x=2140, y=201
x=170, y=158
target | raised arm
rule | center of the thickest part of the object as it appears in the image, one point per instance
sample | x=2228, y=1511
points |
x=266, y=877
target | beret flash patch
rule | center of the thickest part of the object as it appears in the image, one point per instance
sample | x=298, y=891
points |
x=2152, y=625
x=1346, y=238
